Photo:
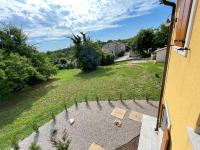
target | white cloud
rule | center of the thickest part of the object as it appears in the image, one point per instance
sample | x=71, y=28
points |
x=54, y=19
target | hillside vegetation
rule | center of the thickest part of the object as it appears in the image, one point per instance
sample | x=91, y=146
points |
x=36, y=104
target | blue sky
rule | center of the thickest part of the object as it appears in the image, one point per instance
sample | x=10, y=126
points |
x=48, y=22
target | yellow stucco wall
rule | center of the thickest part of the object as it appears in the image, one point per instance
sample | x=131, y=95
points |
x=182, y=89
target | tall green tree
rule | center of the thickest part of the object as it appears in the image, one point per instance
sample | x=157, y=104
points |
x=143, y=42
x=161, y=37
x=20, y=63
x=148, y=40
x=87, y=53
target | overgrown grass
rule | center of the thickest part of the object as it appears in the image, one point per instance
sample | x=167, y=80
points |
x=36, y=104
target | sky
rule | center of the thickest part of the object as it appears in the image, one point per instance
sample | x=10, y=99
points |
x=48, y=23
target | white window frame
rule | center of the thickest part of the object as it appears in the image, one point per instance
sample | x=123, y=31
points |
x=189, y=31
x=168, y=118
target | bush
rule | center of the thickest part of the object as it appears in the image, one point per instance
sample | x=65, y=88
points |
x=20, y=64
x=87, y=53
x=67, y=65
x=34, y=146
x=107, y=58
x=121, y=54
x=89, y=57
x=15, y=71
x=62, y=144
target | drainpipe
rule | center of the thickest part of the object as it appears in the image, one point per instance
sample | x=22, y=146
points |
x=173, y=5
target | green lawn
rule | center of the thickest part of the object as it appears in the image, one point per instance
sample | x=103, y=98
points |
x=35, y=104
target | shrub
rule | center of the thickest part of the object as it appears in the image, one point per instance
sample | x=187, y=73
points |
x=62, y=144
x=87, y=53
x=89, y=57
x=20, y=64
x=14, y=73
x=120, y=54
x=67, y=65
x=107, y=58
x=34, y=146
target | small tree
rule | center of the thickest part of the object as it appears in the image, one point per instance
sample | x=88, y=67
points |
x=161, y=37
x=87, y=53
x=34, y=146
x=143, y=42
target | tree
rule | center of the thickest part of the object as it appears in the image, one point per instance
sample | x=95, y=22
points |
x=148, y=40
x=63, y=61
x=107, y=58
x=87, y=53
x=144, y=41
x=16, y=72
x=12, y=37
x=20, y=63
x=161, y=37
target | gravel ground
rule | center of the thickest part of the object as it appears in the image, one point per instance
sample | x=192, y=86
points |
x=93, y=123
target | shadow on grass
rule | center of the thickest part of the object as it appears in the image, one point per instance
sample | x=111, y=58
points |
x=17, y=103
x=99, y=72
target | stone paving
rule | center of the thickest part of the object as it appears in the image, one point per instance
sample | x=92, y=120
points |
x=148, y=136
x=93, y=123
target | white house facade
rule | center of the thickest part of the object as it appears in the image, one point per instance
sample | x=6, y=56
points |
x=114, y=47
x=161, y=54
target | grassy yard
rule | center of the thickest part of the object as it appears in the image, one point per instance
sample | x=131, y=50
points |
x=35, y=104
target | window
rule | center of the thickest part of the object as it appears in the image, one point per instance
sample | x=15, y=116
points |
x=183, y=20
x=184, y=25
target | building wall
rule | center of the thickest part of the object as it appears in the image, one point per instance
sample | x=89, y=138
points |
x=114, y=47
x=161, y=55
x=182, y=89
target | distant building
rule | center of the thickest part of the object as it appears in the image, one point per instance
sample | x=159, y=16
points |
x=115, y=47
x=161, y=54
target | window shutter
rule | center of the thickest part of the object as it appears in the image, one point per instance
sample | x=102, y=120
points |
x=183, y=20
x=165, y=140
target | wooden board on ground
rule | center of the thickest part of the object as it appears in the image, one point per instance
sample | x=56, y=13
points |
x=94, y=146
x=118, y=112
x=136, y=116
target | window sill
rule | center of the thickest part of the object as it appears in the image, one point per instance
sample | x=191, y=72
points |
x=194, y=139
x=181, y=52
